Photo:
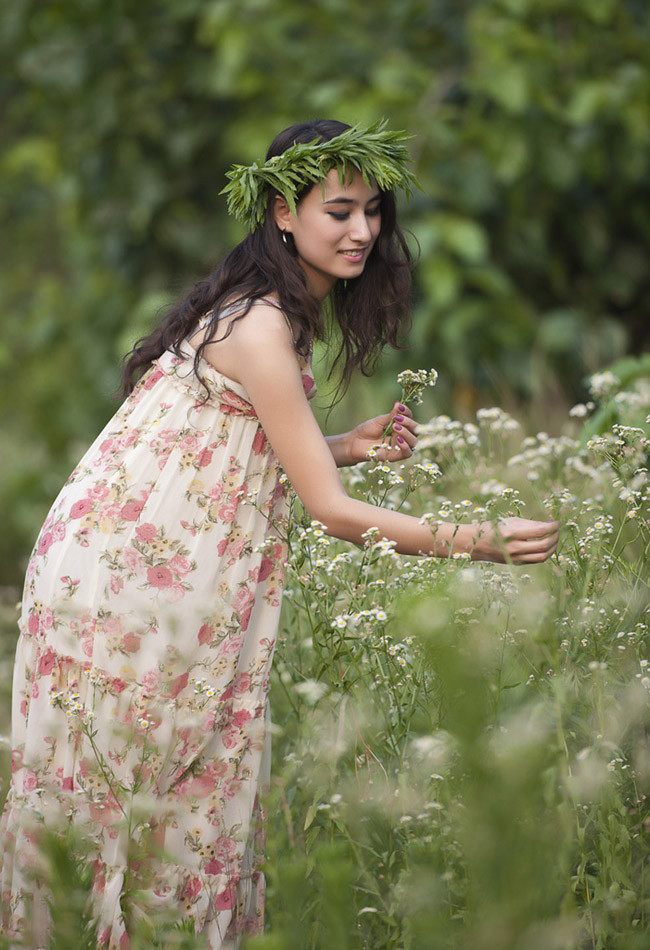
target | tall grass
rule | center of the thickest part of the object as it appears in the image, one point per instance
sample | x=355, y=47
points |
x=461, y=750
x=462, y=754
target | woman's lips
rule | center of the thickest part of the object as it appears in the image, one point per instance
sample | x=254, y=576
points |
x=354, y=256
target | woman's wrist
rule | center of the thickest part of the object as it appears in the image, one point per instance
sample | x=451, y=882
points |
x=341, y=448
x=451, y=539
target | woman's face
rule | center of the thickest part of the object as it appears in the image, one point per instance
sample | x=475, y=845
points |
x=334, y=229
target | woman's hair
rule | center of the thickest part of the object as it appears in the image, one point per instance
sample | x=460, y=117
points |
x=369, y=310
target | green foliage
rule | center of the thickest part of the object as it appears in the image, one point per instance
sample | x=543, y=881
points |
x=464, y=747
x=531, y=129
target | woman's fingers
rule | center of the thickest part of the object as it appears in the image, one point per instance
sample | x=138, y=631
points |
x=530, y=542
x=511, y=529
x=404, y=430
x=521, y=540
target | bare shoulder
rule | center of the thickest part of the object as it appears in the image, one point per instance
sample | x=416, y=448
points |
x=261, y=332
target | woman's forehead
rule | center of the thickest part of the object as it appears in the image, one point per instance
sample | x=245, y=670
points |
x=353, y=186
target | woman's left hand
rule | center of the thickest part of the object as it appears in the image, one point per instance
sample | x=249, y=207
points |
x=368, y=435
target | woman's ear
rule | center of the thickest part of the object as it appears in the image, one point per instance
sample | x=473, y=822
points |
x=282, y=214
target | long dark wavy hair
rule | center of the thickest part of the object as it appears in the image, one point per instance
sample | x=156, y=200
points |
x=369, y=311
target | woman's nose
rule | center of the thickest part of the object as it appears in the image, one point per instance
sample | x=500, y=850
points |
x=359, y=228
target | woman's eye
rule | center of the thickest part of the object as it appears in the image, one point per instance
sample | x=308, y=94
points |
x=344, y=215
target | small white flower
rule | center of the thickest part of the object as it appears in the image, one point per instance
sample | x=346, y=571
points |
x=311, y=690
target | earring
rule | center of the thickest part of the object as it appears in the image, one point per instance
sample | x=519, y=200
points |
x=284, y=239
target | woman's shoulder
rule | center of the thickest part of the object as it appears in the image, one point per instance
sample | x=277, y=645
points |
x=242, y=334
x=261, y=319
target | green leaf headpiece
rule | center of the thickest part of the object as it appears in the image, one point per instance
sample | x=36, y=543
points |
x=375, y=151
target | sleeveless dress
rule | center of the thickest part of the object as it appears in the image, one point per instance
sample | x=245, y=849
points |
x=148, y=624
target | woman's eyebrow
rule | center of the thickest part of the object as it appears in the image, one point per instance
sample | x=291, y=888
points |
x=351, y=201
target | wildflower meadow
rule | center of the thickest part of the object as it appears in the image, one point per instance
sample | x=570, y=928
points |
x=461, y=749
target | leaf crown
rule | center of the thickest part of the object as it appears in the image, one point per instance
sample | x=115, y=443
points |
x=377, y=152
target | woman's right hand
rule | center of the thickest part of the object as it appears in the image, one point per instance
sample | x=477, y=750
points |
x=516, y=540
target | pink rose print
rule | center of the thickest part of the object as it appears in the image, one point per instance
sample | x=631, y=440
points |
x=117, y=685
x=106, y=446
x=231, y=647
x=111, y=626
x=101, y=813
x=177, y=684
x=278, y=492
x=132, y=560
x=131, y=642
x=213, y=867
x=265, y=568
x=81, y=508
x=204, y=458
x=151, y=680
x=58, y=531
x=259, y=442
x=201, y=786
x=225, y=900
x=87, y=645
x=243, y=683
x=241, y=717
x=189, y=443
x=230, y=738
x=246, y=618
x=131, y=510
x=146, y=532
x=216, y=492
x=205, y=634
x=33, y=624
x=67, y=784
x=233, y=403
x=175, y=593
x=242, y=598
x=191, y=889
x=116, y=584
x=46, y=542
x=228, y=512
x=180, y=564
x=46, y=663
x=160, y=577
x=30, y=781
x=153, y=379
x=307, y=384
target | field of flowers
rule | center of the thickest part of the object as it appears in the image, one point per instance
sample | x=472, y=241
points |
x=462, y=750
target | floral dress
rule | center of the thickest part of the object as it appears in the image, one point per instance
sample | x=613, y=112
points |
x=148, y=625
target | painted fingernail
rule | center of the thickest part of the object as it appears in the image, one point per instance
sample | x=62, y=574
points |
x=399, y=437
x=397, y=426
x=398, y=418
x=401, y=407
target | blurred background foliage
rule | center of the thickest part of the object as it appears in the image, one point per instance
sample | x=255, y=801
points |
x=532, y=130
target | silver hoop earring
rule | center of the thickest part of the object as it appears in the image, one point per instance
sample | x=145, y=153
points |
x=284, y=239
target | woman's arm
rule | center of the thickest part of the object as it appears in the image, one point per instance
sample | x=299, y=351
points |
x=269, y=371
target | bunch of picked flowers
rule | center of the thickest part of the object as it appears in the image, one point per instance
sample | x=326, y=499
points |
x=413, y=383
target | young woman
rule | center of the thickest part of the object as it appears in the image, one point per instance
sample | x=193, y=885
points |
x=153, y=594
